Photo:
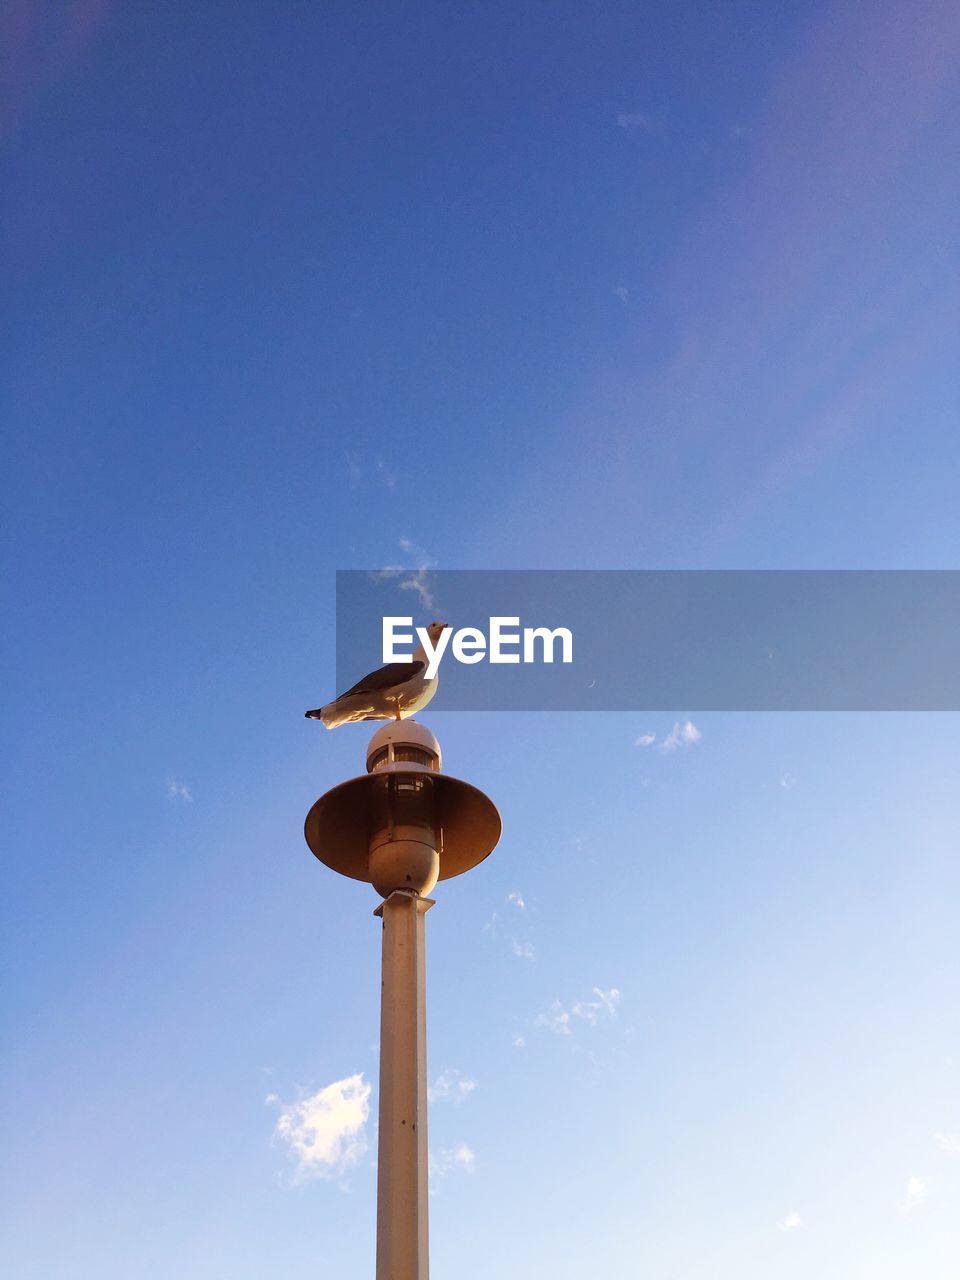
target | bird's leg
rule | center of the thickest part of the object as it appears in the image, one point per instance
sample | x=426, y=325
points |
x=396, y=706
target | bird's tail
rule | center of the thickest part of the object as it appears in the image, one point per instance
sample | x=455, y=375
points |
x=334, y=714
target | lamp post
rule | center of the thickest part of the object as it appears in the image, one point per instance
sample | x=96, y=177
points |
x=402, y=827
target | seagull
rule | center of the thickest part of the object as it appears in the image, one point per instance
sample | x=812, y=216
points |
x=393, y=692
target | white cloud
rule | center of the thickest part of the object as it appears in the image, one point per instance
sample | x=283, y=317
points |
x=602, y=1009
x=415, y=579
x=556, y=1018
x=519, y=1041
x=949, y=1144
x=522, y=950
x=450, y=1084
x=385, y=475
x=787, y=780
x=326, y=1132
x=458, y=1159
x=419, y=582
x=514, y=899
x=354, y=469
x=635, y=120
x=622, y=292
x=360, y=465
x=178, y=790
x=681, y=735
x=917, y=1192
x=790, y=1222
x=646, y=740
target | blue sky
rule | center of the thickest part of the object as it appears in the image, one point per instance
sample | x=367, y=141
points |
x=294, y=288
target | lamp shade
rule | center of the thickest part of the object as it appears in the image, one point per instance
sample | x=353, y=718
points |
x=343, y=822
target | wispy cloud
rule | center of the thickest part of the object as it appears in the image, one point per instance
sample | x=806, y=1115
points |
x=917, y=1191
x=791, y=1222
x=417, y=580
x=178, y=790
x=354, y=468
x=787, y=780
x=384, y=474
x=414, y=578
x=681, y=735
x=519, y=1041
x=949, y=1144
x=512, y=909
x=419, y=583
x=636, y=120
x=622, y=292
x=556, y=1019
x=458, y=1159
x=450, y=1084
x=602, y=1008
x=360, y=466
x=326, y=1132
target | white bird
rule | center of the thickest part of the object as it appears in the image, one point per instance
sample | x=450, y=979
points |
x=394, y=692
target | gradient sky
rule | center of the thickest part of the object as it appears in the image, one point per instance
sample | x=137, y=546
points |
x=289, y=288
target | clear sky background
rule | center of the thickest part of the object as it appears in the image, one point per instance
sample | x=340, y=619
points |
x=293, y=287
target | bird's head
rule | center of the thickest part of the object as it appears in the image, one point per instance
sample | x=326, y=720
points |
x=435, y=630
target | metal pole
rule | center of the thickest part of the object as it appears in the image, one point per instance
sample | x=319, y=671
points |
x=402, y=1238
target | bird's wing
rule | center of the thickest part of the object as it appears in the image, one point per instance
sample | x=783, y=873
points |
x=387, y=677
